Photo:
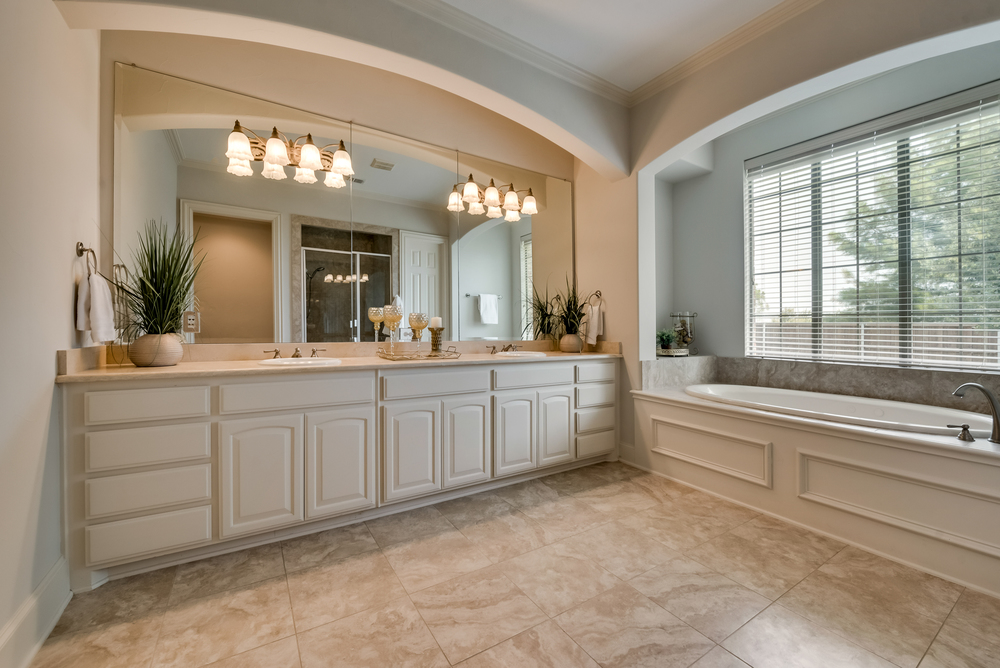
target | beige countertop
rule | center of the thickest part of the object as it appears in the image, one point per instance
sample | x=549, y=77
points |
x=208, y=369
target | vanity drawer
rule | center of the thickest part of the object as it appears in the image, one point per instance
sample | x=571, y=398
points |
x=131, y=539
x=133, y=492
x=124, y=448
x=595, y=419
x=595, y=372
x=256, y=397
x=598, y=394
x=595, y=444
x=161, y=403
x=509, y=377
x=422, y=384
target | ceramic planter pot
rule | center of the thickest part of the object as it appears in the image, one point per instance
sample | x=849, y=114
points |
x=571, y=343
x=156, y=350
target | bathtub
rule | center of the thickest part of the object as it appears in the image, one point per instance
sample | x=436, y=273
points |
x=877, y=413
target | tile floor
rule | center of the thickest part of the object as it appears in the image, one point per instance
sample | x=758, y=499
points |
x=601, y=566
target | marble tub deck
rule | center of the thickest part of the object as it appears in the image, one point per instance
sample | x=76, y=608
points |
x=602, y=566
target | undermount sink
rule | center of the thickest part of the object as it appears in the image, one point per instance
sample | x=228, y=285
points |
x=521, y=353
x=301, y=361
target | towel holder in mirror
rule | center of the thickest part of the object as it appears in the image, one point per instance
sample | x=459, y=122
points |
x=469, y=295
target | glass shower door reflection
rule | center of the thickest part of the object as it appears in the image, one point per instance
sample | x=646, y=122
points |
x=329, y=299
x=374, y=292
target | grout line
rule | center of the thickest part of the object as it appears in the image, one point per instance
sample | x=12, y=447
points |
x=941, y=628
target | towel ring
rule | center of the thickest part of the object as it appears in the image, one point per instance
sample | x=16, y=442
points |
x=91, y=255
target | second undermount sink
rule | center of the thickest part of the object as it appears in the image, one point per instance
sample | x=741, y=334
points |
x=301, y=361
x=521, y=353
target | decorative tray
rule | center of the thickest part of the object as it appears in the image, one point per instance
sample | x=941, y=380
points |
x=450, y=353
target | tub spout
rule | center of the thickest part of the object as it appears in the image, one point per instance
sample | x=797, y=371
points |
x=994, y=407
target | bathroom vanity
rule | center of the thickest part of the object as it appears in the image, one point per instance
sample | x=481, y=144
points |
x=172, y=464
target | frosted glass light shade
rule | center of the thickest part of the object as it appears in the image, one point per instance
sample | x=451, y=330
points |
x=470, y=193
x=512, y=217
x=309, y=157
x=239, y=167
x=476, y=209
x=494, y=212
x=510, y=202
x=328, y=278
x=334, y=180
x=529, y=207
x=303, y=175
x=239, y=145
x=455, y=201
x=492, y=196
x=275, y=172
x=342, y=162
x=340, y=278
x=275, y=151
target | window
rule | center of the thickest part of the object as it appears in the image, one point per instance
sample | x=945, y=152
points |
x=527, y=290
x=880, y=247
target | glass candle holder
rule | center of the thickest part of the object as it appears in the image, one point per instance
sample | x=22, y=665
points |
x=375, y=315
x=418, y=321
x=392, y=315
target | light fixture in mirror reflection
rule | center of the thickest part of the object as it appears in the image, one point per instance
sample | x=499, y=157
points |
x=487, y=200
x=279, y=151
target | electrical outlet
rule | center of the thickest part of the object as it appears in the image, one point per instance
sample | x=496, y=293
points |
x=192, y=322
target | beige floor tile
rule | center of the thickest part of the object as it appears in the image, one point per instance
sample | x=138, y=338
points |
x=859, y=610
x=955, y=649
x=557, y=577
x=977, y=614
x=391, y=635
x=545, y=646
x=324, y=546
x=766, y=555
x=117, y=601
x=711, y=603
x=507, y=536
x=207, y=629
x=530, y=493
x=621, y=627
x=778, y=638
x=620, y=550
x=341, y=588
x=688, y=520
x=408, y=525
x=719, y=658
x=576, y=481
x=660, y=488
x=895, y=585
x=566, y=517
x=428, y=561
x=615, y=471
x=282, y=653
x=226, y=571
x=475, y=611
x=469, y=510
x=123, y=644
x=618, y=499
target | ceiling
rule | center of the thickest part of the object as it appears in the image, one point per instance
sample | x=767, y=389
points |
x=626, y=42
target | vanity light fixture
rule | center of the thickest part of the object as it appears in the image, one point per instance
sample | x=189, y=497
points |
x=488, y=200
x=328, y=278
x=278, y=152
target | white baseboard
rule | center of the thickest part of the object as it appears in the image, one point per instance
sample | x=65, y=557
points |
x=23, y=635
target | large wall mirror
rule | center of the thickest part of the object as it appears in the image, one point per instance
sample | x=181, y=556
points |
x=296, y=261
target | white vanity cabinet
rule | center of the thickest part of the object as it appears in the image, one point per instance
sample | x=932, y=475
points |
x=411, y=448
x=340, y=461
x=261, y=467
x=555, y=426
x=514, y=432
x=467, y=440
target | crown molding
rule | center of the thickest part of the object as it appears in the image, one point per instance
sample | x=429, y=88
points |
x=174, y=142
x=442, y=13
x=743, y=35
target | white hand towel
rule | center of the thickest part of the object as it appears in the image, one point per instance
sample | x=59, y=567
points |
x=489, y=309
x=83, y=304
x=102, y=310
x=593, y=319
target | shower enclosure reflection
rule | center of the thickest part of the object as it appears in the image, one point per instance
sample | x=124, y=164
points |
x=340, y=288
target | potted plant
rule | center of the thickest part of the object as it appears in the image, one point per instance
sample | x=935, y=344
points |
x=570, y=313
x=666, y=338
x=156, y=294
x=543, y=323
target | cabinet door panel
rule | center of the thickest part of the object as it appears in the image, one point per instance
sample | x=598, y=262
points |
x=514, y=432
x=555, y=426
x=466, y=440
x=261, y=467
x=412, y=449
x=340, y=461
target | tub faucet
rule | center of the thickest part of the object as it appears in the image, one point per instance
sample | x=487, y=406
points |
x=994, y=407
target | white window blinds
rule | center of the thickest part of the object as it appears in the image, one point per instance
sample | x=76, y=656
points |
x=883, y=248
x=527, y=288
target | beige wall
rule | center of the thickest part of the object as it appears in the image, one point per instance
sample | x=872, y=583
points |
x=235, y=286
x=49, y=80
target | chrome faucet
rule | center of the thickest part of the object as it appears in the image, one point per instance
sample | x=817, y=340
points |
x=297, y=353
x=317, y=350
x=277, y=353
x=994, y=407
